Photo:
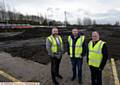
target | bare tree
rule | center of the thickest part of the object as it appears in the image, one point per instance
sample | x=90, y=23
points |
x=87, y=21
x=94, y=22
x=79, y=21
x=12, y=16
x=117, y=23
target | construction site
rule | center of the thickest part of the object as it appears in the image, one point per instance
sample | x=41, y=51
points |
x=23, y=55
x=26, y=24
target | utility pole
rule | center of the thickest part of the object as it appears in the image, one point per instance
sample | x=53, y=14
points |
x=65, y=18
x=48, y=20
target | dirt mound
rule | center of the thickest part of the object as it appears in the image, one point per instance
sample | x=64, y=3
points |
x=38, y=52
x=25, y=34
x=34, y=53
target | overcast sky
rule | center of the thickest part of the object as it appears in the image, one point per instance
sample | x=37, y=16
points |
x=104, y=11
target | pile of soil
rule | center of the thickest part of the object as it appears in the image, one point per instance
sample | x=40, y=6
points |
x=26, y=34
x=34, y=53
x=38, y=53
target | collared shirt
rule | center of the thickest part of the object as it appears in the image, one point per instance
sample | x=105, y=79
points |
x=58, y=41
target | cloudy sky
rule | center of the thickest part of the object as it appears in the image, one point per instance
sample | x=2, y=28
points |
x=104, y=11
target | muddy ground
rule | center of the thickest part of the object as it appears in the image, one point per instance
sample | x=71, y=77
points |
x=30, y=43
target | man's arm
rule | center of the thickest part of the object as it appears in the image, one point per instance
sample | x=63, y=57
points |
x=87, y=53
x=84, y=46
x=62, y=48
x=48, y=47
x=105, y=56
x=68, y=50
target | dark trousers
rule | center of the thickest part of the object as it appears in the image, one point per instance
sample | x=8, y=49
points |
x=55, y=64
x=77, y=63
x=96, y=76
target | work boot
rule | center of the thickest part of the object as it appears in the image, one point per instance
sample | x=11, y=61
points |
x=59, y=76
x=80, y=81
x=55, y=82
x=73, y=78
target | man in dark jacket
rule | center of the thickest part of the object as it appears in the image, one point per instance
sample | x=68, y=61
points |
x=76, y=49
x=97, y=56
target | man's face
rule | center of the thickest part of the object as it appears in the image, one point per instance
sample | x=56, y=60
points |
x=95, y=36
x=54, y=31
x=75, y=32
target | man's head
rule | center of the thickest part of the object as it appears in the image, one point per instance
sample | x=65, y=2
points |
x=75, y=32
x=54, y=31
x=95, y=36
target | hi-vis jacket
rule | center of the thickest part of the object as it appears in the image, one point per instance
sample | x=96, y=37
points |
x=95, y=53
x=78, y=46
x=52, y=45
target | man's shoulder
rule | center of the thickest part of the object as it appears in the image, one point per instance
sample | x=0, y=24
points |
x=81, y=33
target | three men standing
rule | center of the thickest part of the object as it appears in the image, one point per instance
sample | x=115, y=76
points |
x=97, y=54
x=54, y=45
x=76, y=50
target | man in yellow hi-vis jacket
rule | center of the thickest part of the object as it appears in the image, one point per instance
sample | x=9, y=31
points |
x=54, y=46
x=76, y=50
x=97, y=56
